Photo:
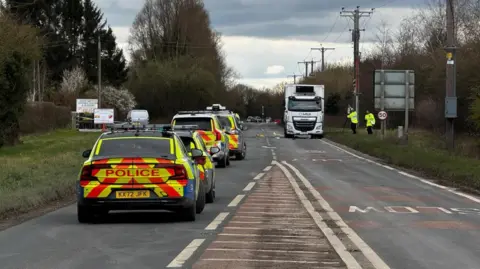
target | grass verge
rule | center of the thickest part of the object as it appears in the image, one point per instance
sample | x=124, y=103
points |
x=424, y=153
x=40, y=171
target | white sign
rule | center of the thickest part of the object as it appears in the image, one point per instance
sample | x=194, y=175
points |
x=87, y=105
x=103, y=116
x=382, y=115
x=415, y=210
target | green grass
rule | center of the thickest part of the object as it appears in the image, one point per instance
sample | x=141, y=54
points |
x=425, y=153
x=41, y=170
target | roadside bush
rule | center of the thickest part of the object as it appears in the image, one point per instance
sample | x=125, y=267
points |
x=42, y=117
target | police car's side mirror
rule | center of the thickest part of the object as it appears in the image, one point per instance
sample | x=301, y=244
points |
x=196, y=153
x=86, y=153
x=214, y=150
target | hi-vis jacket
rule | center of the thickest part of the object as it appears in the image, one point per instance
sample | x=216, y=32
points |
x=370, y=119
x=353, y=117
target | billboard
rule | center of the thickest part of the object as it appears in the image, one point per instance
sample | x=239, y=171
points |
x=86, y=105
x=103, y=116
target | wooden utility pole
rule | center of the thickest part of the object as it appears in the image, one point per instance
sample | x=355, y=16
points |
x=322, y=49
x=312, y=63
x=355, y=15
x=450, y=94
x=306, y=67
x=99, y=71
x=294, y=76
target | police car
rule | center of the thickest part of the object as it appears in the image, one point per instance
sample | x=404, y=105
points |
x=140, y=169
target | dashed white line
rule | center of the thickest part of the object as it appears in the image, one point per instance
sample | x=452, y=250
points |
x=259, y=176
x=369, y=253
x=236, y=200
x=186, y=253
x=249, y=186
x=267, y=168
x=217, y=221
x=428, y=182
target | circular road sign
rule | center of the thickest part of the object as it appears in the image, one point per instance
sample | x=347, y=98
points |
x=382, y=115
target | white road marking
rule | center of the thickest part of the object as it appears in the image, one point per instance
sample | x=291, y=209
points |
x=267, y=250
x=267, y=168
x=273, y=162
x=266, y=235
x=269, y=261
x=217, y=221
x=239, y=215
x=349, y=260
x=266, y=243
x=259, y=176
x=451, y=190
x=186, y=253
x=249, y=186
x=236, y=200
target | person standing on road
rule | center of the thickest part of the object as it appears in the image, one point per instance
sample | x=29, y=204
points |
x=370, y=120
x=352, y=115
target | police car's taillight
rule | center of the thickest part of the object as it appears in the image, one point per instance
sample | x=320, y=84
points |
x=180, y=172
x=86, y=174
x=201, y=160
x=218, y=135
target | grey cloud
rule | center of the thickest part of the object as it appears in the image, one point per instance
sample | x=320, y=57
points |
x=267, y=18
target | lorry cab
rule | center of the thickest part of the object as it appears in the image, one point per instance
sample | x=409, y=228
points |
x=304, y=110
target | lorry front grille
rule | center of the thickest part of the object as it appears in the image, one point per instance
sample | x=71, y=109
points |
x=304, y=126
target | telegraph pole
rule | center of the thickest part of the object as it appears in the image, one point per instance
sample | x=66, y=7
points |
x=450, y=95
x=99, y=71
x=306, y=67
x=355, y=15
x=322, y=49
x=312, y=63
x=294, y=76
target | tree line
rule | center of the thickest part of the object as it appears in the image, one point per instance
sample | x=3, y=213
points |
x=418, y=44
x=42, y=43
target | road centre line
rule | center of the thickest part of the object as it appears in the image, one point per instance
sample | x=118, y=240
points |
x=336, y=243
x=236, y=200
x=249, y=186
x=267, y=168
x=217, y=221
x=268, y=261
x=268, y=250
x=303, y=243
x=369, y=253
x=267, y=235
x=425, y=181
x=259, y=176
x=186, y=253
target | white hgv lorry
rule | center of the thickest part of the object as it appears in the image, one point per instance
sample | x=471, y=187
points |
x=304, y=110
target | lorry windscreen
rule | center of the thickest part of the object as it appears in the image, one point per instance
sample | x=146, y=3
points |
x=305, y=105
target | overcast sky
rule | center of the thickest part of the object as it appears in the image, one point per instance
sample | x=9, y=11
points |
x=265, y=39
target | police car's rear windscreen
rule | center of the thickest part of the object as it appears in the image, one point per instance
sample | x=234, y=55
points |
x=202, y=123
x=135, y=147
x=224, y=121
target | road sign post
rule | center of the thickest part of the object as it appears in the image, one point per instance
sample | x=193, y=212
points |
x=382, y=116
x=394, y=90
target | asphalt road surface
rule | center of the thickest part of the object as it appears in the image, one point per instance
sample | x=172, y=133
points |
x=299, y=203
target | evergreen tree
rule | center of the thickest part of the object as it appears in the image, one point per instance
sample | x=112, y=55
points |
x=114, y=65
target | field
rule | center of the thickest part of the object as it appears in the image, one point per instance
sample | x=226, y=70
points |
x=42, y=170
x=425, y=153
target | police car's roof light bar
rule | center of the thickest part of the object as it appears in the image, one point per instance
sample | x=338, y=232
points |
x=193, y=112
x=216, y=107
x=186, y=127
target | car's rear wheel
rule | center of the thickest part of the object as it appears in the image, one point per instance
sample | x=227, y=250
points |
x=241, y=155
x=85, y=214
x=200, y=205
x=210, y=196
x=190, y=214
x=222, y=163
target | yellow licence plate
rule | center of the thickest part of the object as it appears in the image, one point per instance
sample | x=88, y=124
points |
x=132, y=194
